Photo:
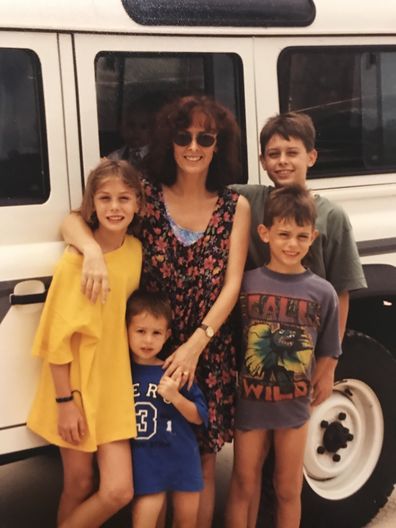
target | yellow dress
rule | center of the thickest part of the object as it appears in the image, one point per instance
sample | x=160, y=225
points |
x=93, y=339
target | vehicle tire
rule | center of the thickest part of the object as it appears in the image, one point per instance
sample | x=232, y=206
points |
x=348, y=483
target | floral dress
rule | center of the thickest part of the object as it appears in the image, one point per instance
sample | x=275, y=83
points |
x=192, y=276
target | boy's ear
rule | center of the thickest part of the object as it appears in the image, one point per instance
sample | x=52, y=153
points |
x=263, y=233
x=168, y=333
x=312, y=157
x=315, y=234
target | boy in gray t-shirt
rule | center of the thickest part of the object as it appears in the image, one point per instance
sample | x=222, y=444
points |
x=287, y=144
x=292, y=343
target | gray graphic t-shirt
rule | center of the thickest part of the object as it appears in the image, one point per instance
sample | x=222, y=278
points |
x=289, y=321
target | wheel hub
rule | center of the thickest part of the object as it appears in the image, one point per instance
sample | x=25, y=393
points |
x=344, y=441
x=335, y=437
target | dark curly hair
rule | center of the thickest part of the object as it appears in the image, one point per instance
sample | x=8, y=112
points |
x=225, y=168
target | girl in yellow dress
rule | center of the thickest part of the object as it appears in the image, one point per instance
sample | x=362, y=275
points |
x=84, y=401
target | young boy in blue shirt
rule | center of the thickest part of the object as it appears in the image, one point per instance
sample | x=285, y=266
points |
x=165, y=453
x=291, y=336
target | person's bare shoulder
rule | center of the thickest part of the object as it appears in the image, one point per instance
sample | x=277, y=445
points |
x=243, y=204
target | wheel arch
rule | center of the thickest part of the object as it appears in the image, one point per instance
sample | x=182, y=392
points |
x=372, y=310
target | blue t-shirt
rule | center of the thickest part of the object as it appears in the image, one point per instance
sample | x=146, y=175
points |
x=289, y=321
x=165, y=454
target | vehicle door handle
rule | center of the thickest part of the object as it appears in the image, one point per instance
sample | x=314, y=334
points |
x=28, y=292
x=31, y=298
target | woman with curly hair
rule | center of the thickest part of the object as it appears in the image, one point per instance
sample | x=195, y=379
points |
x=195, y=236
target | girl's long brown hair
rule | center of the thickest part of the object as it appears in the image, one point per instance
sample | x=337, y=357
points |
x=111, y=169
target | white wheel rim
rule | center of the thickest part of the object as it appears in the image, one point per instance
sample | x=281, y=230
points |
x=364, y=420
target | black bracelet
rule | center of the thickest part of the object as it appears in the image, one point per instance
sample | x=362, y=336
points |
x=65, y=399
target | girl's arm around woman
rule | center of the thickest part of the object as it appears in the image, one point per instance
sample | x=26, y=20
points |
x=94, y=278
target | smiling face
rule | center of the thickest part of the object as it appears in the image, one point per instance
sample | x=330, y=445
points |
x=289, y=243
x=147, y=335
x=115, y=205
x=287, y=160
x=194, y=159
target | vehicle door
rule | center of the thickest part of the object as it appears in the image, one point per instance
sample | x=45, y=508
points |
x=35, y=195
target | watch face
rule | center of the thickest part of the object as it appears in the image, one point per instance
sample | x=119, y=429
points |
x=209, y=331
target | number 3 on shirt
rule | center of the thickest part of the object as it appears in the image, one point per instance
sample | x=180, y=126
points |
x=146, y=420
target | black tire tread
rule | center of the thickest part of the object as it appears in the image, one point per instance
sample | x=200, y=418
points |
x=356, y=511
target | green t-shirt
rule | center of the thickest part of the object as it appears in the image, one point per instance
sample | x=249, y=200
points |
x=333, y=255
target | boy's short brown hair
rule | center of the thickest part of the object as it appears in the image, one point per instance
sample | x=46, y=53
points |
x=155, y=303
x=292, y=202
x=290, y=124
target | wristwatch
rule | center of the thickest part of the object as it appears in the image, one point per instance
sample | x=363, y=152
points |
x=207, y=329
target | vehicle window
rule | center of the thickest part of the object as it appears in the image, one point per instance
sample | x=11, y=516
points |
x=131, y=88
x=350, y=94
x=23, y=149
x=261, y=13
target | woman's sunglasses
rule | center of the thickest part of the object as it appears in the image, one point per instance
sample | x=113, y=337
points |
x=184, y=138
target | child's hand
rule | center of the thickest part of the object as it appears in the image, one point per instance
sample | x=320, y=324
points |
x=94, y=279
x=322, y=387
x=168, y=388
x=71, y=423
x=323, y=379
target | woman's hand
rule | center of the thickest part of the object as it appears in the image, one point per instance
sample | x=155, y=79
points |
x=182, y=364
x=71, y=423
x=95, y=279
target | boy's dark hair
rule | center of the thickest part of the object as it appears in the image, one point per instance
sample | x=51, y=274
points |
x=155, y=303
x=291, y=124
x=292, y=202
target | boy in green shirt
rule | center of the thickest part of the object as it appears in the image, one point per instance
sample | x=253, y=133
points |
x=287, y=143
